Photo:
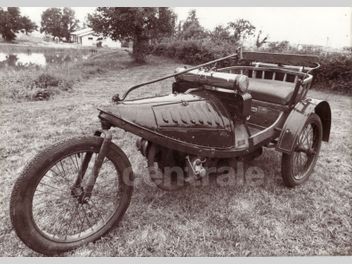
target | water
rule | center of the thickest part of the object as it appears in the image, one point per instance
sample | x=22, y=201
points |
x=41, y=59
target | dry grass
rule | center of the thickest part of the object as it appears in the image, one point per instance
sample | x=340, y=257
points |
x=244, y=220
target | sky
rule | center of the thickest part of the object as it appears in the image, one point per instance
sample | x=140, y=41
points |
x=327, y=26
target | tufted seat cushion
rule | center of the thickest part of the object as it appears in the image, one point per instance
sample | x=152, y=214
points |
x=277, y=92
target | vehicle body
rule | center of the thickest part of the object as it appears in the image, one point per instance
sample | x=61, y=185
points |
x=211, y=118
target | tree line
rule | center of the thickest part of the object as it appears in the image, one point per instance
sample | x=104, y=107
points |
x=11, y=22
x=142, y=25
x=148, y=25
x=58, y=22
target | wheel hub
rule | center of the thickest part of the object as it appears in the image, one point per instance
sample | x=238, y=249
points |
x=78, y=193
x=308, y=151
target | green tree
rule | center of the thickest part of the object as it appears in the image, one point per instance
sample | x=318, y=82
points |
x=69, y=22
x=51, y=22
x=260, y=42
x=191, y=28
x=140, y=24
x=166, y=23
x=59, y=22
x=28, y=25
x=241, y=29
x=11, y=22
x=235, y=32
x=221, y=33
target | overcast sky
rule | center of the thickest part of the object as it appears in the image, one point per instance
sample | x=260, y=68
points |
x=330, y=26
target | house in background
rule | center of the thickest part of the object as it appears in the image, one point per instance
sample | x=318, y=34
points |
x=88, y=38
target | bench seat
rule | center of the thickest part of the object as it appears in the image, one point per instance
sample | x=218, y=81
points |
x=277, y=92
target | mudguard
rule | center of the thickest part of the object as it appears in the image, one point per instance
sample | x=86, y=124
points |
x=297, y=119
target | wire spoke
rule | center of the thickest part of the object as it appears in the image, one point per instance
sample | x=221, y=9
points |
x=81, y=227
x=64, y=222
x=62, y=176
x=309, y=132
x=45, y=184
x=47, y=192
x=98, y=211
x=53, y=178
x=307, y=137
x=74, y=163
x=52, y=200
x=69, y=222
x=54, y=171
x=85, y=214
x=68, y=165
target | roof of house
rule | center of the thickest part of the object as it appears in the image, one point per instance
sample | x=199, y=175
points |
x=83, y=32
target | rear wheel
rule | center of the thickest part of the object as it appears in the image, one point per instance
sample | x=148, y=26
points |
x=46, y=208
x=297, y=166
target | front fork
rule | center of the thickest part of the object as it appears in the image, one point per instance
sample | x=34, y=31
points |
x=83, y=194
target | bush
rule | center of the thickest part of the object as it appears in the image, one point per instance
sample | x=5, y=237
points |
x=42, y=94
x=47, y=81
x=34, y=86
x=335, y=73
x=192, y=51
x=44, y=80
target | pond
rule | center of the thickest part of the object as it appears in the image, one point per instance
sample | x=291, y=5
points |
x=41, y=59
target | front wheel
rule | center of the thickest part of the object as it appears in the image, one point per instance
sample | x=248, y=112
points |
x=46, y=208
x=297, y=166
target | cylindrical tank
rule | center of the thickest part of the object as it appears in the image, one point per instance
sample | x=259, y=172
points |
x=218, y=79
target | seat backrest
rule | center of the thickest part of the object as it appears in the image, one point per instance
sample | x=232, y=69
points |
x=280, y=58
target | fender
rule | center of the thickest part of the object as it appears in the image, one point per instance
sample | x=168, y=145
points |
x=297, y=119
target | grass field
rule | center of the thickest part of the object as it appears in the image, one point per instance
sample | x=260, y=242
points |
x=29, y=80
x=242, y=220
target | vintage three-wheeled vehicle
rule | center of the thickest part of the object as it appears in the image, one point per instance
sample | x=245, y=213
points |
x=77, y=190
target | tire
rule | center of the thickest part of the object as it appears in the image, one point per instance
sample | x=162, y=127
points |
x=311, y=137
x=38, y=224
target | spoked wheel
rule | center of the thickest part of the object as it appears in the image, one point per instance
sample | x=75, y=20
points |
x=297, y=166
x=47, y=209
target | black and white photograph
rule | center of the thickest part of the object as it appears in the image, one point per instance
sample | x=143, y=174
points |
x=166, y=131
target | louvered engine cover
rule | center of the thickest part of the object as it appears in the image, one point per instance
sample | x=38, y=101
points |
x=198, y=118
